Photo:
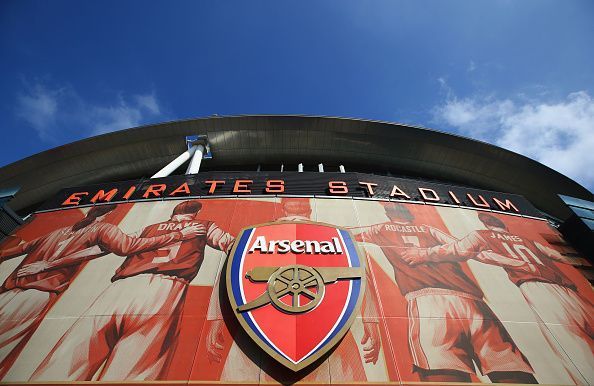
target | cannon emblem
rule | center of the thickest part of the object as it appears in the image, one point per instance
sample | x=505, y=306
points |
x=296, y=282
x=295, y=288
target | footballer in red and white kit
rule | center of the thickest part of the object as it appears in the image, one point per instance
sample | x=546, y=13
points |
x=449, y=323
x=345, y=362
x=550, y=294
x=130, y=331
x=27, y=293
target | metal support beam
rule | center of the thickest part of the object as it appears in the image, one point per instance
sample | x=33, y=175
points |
x=196, y=160
x=176, y=163
x=198, y=149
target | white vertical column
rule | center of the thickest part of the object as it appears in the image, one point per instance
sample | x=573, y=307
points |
x=341, y=168
x=194, y=165
x=321, y=168
x=176, y=163
x=300, y=168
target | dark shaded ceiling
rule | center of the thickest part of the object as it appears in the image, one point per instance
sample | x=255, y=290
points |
x=239, y=141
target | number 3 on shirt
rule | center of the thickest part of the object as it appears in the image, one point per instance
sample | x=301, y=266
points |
x=166, y=254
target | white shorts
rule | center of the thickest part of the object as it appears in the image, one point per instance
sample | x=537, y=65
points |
x=568, y=322
x=140, y=294
x=448, y=330
x=21, y=312
x=130, y=333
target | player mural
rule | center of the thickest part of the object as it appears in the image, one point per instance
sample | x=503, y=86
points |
x=49, y=266
x=147, y=284
x=443, y=349
x=337, y=290
x=549, y=292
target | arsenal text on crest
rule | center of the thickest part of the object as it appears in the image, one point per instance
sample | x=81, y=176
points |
x=295, y=288
x=296, y=246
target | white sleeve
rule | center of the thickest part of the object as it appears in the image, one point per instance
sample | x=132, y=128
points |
x=551, y=253
x=369, y=309
x=441, y=236
x=218, y=238
x=214, y=306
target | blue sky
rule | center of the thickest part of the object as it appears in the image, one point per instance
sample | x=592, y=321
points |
x=519, y=74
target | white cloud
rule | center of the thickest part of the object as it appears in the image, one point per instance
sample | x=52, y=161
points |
x=559, y=134
x=471, y=66
x=38, y=107
x=60, y=114
x=106, y=119
x=148, y=102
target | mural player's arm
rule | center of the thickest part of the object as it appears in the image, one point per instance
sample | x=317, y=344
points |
x=219, y=239
x=214, y=315
x=441, y=236
x=223, y=241
x=371, y=332
x=18, y=250
x=553, y=254
x=473, y=246
x=485, y=256
x=110, y=239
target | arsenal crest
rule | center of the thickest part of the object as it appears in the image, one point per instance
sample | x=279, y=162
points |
x=295, y=287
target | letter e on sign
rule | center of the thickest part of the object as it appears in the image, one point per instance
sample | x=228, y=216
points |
x=241, y=186
x=103, y=196
x=74, y=198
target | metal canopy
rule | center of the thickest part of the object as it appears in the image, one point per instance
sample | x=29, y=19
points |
x=239, y=141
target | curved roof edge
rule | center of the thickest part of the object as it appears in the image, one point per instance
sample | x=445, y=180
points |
x=274, y=139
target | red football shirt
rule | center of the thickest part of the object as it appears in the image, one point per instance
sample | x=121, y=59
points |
x=63, y=242
x=393, y=237
x=539, y=264
x=181, y=259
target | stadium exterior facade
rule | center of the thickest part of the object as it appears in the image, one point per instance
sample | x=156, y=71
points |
x=294, y=249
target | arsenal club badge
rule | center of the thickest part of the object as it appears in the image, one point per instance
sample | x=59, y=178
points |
x=295, y=287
